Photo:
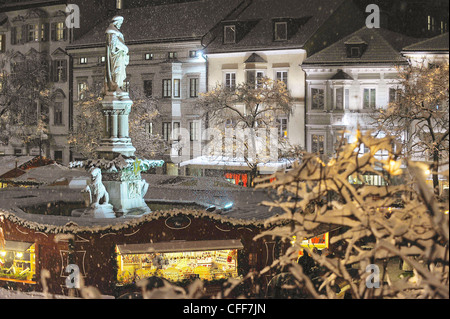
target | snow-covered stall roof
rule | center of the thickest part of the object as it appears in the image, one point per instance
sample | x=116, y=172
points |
x=8, y=163
x=237, y=163
x=53, y=173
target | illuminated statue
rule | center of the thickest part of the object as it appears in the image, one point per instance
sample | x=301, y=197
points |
x=117, y=58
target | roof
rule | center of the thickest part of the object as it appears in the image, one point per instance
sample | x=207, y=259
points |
x=382, y=46
x=435, y=44
x=51, y=173
x=171, y=22
x=222, y=161
x=18, y=5
x=8, y=163
x=255, y=20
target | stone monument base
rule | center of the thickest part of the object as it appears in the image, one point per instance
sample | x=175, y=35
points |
x=127, y=197
x=100, y=211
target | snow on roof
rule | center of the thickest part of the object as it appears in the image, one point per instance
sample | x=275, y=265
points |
x=190, y=20
x=383, y=46
x=8, y=163
x=265, y=168
x=51, y=173
x=437, y=43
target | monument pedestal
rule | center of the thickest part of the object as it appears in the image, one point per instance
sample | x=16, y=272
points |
x=116, y=110
x=127, y=197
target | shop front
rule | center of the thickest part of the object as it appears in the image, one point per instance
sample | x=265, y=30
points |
x=17, y=262
x=178, y=260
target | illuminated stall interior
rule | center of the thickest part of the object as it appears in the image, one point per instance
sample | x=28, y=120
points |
x=17, y=261
x=319, y=242
x=178, y=260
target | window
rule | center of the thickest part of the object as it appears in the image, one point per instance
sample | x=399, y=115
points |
x=148, y=56
x=58, y=113
x=101, y=59
x=2, y=42
x=283, y=77
x=318, y=144
x=254, y=78
x=369, y=98
x=394, y=95
x=59, y=71
x=149, y=128
x=58, y=156
x=119, y=4
x=176, y=88
x=317, y=99
x=431, y=23
x=167, y=130
x=148, y=88
x=33, y=33
x=194, y=130
x=346, y=99
x=167, y=87
x=355, y=52
x=230, y=80
x=193, y=87
x=82, y=87
x=193, y=54
x=229, y=34
x=282, y=127
x=339, y=98
x=83, y=60
x=176, y=130
x=280, y=31
x=58, y=32
x=172, y=55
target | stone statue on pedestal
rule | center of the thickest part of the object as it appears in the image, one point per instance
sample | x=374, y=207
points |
x=117, y=58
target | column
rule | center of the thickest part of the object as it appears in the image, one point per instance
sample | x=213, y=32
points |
x=114, y=125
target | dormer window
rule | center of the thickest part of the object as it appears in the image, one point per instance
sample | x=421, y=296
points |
x=280, y=31
x=355, y=47
x=355, y=52
x=229, y=34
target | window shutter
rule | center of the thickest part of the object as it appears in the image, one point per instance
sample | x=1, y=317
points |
x=24, y=38
x=13, y=35
x=53, y=32
x=64, y=73
x=65, y=33
x=46, y=32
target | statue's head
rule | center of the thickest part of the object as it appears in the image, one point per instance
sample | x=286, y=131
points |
x=117, y=21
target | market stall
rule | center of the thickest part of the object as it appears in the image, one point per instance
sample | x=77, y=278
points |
x=178, y=260
x=17, y=261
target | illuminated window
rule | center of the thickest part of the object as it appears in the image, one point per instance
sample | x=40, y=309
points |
x=193, y=87
x=17, y=262
x=148, y=56
x=82, y=87
x=282, y=127
x=172, y=55
x=176, y=88
x=83, y=60
x=167, y=88
x=33, y=33
x=177, y=266
x=2, y=42
x=318, y=144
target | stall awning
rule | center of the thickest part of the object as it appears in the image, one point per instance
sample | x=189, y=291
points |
x=16, y=246
x=180, y=246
